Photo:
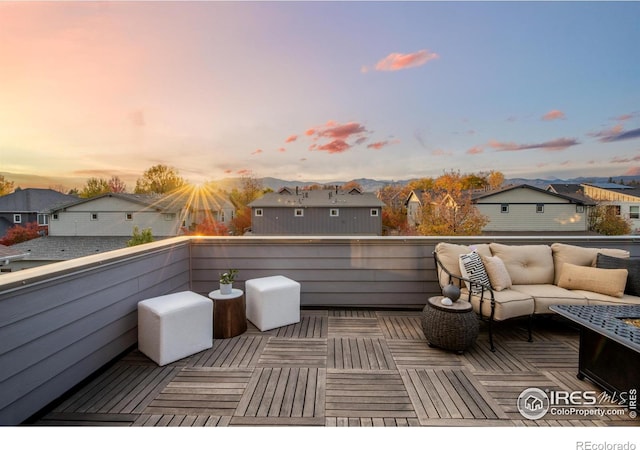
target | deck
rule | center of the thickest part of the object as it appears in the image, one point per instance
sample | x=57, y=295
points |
x=339, y=368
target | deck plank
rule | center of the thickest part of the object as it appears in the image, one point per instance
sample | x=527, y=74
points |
x=338, y=368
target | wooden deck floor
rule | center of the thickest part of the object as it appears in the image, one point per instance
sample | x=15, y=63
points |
x=338, y=368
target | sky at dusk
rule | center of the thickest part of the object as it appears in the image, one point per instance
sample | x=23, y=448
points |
x=317, y=91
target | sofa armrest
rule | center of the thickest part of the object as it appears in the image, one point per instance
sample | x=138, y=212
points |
x=485, y=290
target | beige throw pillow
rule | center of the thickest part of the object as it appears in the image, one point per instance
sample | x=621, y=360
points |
x=498, y=275
x=603, y=281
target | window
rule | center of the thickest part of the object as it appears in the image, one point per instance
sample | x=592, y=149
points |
x=259, y=212
x=169, y=216
x=43, y=219
x=94, y=216
x=539, y=208
x=128, y=216
x=374, y=213
x=55, y=216
x=504, y=208
x=580, y=209
x=17, y=218
x=299, y=212
x=634, y=212
x=614, y=208
x=334, y=212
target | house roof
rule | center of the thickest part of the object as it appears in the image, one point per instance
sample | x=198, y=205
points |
x=62, y=248
x=318, y=199
x=10, y=254
x=570, y=198
x=152, y=201
x=618, y=188
x=33, y=200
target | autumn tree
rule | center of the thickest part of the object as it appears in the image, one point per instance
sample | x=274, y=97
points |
x=19, y=233
x=495, y=180
x=94, y=187
x=448, y=209
x=6, y=186
x=159, y=179
x=605, y=219
x=209, y=227
x=116, y=184
x=351, y=185
x=394, y=211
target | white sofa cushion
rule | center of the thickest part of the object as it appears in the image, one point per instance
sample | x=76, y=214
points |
x=545, y=295
x=594, y=298
x=509, y=303
x=526, y=264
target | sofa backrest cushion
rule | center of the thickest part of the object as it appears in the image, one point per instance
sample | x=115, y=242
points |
x=449, y=256
x=585, y=278
x=632, y=265
x=526, y=264
x=579, y=256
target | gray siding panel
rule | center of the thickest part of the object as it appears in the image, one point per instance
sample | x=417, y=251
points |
x=56, y=331
x=60, y=323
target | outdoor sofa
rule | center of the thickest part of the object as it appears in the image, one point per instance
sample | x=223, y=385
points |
x=524, y=280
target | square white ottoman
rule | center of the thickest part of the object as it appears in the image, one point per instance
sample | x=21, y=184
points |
x=272, y=302
x=174, y=326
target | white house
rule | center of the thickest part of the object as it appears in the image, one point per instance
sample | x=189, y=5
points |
x=625, y=200
x=529, y=208
x=116, y=214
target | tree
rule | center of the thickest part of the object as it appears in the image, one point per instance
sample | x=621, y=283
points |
x=209, y=227
x=250, y=189
x=94, y=187
x=19, y=233
x=495, y=180
x=394, y=212
x=140, y=237
x=159, y=179
x=450, y=214
x=351, y=185
x=242, y=221
x=605, y=219
x=116, y=184
x=6, y=186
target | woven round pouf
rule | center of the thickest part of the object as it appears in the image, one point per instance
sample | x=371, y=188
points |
x=453, y=327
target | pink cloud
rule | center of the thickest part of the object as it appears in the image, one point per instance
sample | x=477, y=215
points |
x=608, y=133
x=440, y=152
x=554, y=145
x=335, y=146
x=475, y=150
x=341, y=137
x=244, y=172
x=291, y=138
x=378, y=145
x=400, y=61
x=633, y=171
x=228, y=171
x=554, y=114
x=282, y=150
x=257, y=152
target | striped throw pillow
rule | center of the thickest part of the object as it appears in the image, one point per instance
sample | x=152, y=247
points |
x=471, y=267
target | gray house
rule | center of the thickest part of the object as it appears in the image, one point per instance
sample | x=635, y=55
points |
x=317, y=212
x=29, y=205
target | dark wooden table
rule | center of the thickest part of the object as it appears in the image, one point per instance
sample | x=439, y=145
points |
x=609, y=352
x=229, y=314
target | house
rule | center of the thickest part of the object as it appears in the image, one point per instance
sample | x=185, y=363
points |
x=528, y=208
x=317, y=212
x=413, y=203
x=24, y=206
x=116, y=214
x=624, y=199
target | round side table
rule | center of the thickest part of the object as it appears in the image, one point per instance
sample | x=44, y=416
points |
x=229, y=313
x=453, y=327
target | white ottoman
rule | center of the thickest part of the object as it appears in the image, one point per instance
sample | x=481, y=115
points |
x=174, y=326
x=272, y=302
